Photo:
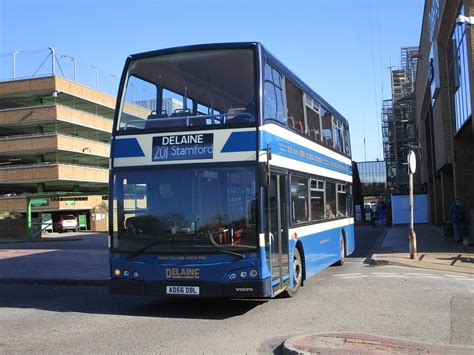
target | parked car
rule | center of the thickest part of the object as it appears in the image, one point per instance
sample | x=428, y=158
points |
x=67, y=222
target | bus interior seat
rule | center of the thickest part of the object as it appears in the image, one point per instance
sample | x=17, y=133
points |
x=299, y=126
x=153, y=115
x=153, y=119
x=314, y=133
x=181, y=113
x=198, y=121
x=291, y=121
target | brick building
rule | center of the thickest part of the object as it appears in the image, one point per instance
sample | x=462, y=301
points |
x=443, y=105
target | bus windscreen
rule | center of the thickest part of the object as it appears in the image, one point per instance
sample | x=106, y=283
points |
x=185, y=210
x=188, y=89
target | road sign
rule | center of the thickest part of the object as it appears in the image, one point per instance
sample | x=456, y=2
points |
x=412, y=161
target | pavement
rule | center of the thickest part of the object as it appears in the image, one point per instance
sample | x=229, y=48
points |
x=433, y=251
x=350, y=343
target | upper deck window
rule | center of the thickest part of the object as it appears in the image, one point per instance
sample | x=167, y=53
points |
x=274, y=107
x=326, y=119
x=169, y=91
x=312, y=116
x=294, y=101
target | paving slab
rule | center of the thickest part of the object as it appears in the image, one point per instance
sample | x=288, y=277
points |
x=350, y=343
x=433, y=252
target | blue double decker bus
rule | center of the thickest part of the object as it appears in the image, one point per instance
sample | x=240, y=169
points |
x=229, y=176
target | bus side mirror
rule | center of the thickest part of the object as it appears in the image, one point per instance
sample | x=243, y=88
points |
x=263, y=176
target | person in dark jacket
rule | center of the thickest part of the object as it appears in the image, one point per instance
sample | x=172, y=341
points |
x=457, y=216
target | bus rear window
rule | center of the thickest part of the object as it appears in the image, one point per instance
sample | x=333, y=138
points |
x=199, y=88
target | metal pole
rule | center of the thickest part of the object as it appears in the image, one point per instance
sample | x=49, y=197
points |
x=412, y=236
x=28, y=218
x=52, y=60
x=115, y=82
x=96, y=76
x=14, y=63
x=74, y=63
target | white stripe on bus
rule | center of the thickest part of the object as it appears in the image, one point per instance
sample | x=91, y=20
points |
x=297, y=165
x=320, y=227
x=304, y=142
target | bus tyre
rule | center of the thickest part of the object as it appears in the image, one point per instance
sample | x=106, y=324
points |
x=297, y=274
x=342, y=248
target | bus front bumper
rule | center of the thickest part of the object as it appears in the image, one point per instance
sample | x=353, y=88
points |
x=247, y=289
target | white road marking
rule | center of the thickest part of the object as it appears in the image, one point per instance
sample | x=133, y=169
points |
x=433, y=277
x=468, y=281
x=354, y=277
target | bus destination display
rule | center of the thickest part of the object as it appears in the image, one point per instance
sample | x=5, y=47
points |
x=183, y=147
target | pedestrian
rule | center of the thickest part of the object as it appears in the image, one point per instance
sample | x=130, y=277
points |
x=373, y=217
x=457, y=215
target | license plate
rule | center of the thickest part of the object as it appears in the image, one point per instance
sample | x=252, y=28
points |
x=182, y=290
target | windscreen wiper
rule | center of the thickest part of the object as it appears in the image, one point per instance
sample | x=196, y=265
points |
x=224, y=251
x=142, y=250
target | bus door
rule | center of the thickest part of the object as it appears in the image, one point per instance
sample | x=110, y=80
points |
x=278, y=220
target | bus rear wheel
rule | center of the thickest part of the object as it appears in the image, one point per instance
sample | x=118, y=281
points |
x=297, y=274
x=342, y=251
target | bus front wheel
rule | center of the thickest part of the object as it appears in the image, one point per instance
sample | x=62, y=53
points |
x=297, y=274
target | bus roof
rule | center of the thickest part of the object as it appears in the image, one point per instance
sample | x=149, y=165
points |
x=240, y=45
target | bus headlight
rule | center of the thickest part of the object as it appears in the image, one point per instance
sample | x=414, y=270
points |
x=126, y=273
x=117, y=272
x=253, y=273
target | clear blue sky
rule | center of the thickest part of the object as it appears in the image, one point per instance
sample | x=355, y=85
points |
x=340, y=48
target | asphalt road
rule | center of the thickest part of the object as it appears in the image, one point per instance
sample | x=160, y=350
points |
x=401, y=302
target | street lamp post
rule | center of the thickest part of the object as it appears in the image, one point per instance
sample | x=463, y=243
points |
x=412, y=235
x=115, y=82
x=96, y=76
x=71, y=58
x=14, y=63
x=53, y=57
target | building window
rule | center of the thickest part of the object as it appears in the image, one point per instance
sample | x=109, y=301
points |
x=459, y=70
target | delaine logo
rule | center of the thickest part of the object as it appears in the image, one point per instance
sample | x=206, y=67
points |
x=175, y=273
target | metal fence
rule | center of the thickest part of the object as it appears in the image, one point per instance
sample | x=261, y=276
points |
x=37, y=63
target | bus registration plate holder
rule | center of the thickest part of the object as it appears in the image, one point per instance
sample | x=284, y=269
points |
x=182, y=290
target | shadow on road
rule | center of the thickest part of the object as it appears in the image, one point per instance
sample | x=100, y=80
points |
x=97, y=300
x=365, y=239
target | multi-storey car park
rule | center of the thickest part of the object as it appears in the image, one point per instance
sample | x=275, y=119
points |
x=54, y=139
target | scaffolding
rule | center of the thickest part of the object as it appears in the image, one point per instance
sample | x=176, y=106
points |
x=398, y=122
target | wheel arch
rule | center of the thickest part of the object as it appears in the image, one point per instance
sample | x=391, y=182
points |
x=343, y=234
x=300, y=248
